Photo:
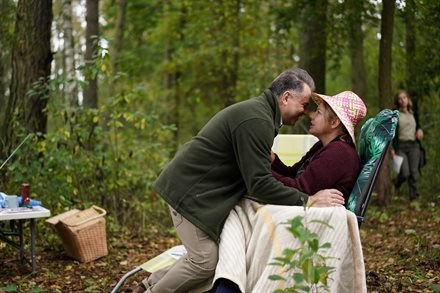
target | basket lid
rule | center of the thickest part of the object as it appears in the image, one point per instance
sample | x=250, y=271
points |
x=84, y=216
x=54, y=220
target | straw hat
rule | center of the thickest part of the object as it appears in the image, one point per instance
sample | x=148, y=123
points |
x=349, y=108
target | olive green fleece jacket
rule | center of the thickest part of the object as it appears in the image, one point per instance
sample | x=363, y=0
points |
x=228, y=159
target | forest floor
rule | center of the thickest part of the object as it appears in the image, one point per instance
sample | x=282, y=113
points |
x=401, y=250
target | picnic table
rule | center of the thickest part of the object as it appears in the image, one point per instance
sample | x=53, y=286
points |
x=13, y=233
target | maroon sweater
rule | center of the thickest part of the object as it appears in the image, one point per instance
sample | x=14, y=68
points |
x=336, y=165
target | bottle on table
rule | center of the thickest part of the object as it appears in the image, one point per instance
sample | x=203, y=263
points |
x=25, y=195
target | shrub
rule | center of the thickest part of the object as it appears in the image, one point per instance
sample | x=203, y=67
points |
x=307, y=263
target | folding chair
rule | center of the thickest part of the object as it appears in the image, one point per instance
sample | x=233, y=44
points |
x=163, y=260
x=375, y=137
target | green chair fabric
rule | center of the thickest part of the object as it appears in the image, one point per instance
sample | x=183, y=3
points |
x=376, y=134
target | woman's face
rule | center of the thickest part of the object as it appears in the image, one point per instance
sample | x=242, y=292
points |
x=319, y=124
x=403, y=100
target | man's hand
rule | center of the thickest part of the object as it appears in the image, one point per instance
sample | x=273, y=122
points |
x=272, y=156
x=326, y=198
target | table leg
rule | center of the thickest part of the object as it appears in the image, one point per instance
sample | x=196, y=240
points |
x=21, y=240
x=33, y=245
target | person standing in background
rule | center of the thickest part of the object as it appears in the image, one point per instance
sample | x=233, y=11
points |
x=406, y=143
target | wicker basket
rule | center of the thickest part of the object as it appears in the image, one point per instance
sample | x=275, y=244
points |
x=83, y=233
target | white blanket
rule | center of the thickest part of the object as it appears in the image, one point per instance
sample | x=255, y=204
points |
x=254, y=235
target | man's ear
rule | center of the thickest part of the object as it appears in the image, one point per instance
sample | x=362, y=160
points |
x=284, y=97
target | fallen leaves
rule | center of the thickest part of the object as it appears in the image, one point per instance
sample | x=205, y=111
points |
x=401, y=248
x=56, y=272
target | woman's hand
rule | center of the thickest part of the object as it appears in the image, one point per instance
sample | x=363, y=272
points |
x=419, y=134
x=326, y=198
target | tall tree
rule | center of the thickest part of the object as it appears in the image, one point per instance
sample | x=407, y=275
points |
x=385, y=84
x=410, y=45
x=118, y=40
x=356, y=43
x=385, y=50
x=313, y=41
x=175, y=20
x=2, y=76
x=92, y=33
x=230, y=19
x=71, y=90
x=7, y=10
x=31, y=59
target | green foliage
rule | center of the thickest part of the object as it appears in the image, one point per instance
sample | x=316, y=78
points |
x=111, y=156
x=196, y=43
x=25, y=280
x=108, y=157
x=9, y=288
x=377, y=214
x=307, y=263
x=427, y=63
x=430, y=122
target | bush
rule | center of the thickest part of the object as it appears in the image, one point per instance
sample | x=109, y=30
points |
x=109, y=157
x=307, y=263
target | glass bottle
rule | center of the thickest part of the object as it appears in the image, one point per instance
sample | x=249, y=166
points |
x=25, y=197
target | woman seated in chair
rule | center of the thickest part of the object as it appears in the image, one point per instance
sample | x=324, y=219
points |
x=331, y=163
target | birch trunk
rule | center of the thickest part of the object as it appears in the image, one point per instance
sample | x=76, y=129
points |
x=71, y=90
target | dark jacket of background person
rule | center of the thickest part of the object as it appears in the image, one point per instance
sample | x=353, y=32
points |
x=229, y=158
x=335, y=165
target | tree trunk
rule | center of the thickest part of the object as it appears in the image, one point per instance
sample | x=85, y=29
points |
x=410, y=21
x=385, y=60
x=170, y=74
x=231, y=54
x=118, y=41
x=59, y=62
x=119, y=33
x=2, y=79
x=7, y=10
x=71, y=90
x=31, y=60
x=92, y=33
x=356, y=41
x=385, y=94
x=179, y=94
x=313, y=44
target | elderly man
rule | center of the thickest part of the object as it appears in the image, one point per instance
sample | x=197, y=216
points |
x=227, y=160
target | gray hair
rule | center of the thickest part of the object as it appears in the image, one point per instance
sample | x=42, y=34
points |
x=292, y=79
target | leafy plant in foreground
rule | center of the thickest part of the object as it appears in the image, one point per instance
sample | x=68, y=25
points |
x=307, y=262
